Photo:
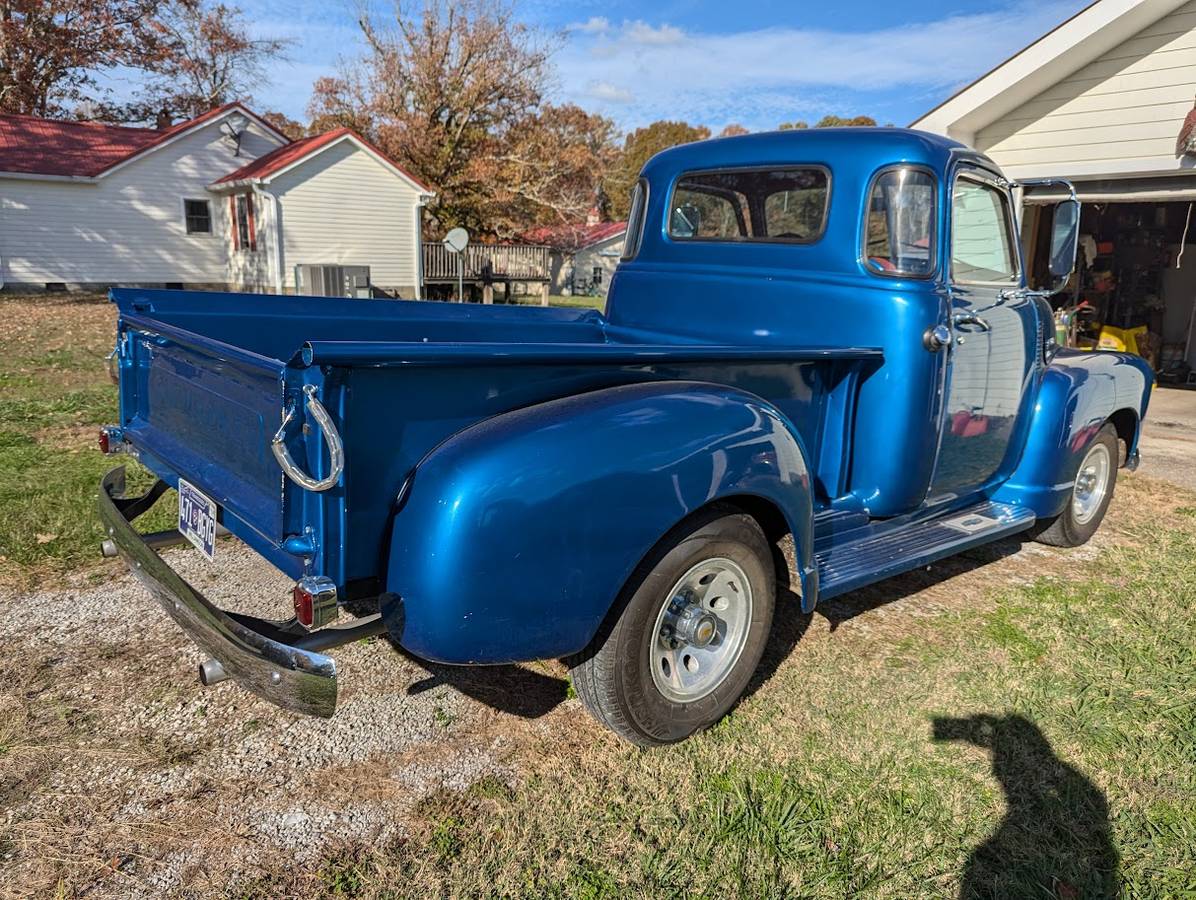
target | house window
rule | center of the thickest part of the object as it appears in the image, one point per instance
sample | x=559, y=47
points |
x=198, y=216
x=244, y=231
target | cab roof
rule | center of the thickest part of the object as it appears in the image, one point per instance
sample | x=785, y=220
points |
x=855, y=148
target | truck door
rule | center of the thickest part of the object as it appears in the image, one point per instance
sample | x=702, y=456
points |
x=991, y=355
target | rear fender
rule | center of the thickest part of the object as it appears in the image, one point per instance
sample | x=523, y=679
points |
x=516, y=535
x=1078, y=394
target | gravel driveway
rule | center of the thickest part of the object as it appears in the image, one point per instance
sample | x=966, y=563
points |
x=151, y=759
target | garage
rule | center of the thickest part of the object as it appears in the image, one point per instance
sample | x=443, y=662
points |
x=1106, y=101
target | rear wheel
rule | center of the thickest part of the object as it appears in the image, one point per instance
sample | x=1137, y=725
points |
x=689, y=630
x=1091, y=494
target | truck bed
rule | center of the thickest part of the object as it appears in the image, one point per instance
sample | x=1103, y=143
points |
x=207, y=377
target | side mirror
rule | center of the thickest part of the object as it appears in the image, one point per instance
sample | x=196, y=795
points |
x=1065, y=239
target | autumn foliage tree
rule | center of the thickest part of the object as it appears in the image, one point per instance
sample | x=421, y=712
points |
x=831, y=122
x=52, y=52
x=640, y=146
x=209, y=58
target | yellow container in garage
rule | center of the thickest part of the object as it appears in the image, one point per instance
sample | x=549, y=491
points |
x=1125, y=340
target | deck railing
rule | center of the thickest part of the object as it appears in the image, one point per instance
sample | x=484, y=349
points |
x=501, y=262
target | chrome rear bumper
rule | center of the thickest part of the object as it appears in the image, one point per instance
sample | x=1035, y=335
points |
x=260, y=655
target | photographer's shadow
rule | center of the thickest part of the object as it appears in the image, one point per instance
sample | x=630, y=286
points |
x=1055, y=839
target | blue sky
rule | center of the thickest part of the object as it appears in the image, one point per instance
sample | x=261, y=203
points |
x=755, y=62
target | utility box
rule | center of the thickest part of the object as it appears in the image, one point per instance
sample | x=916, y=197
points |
x=331, y=280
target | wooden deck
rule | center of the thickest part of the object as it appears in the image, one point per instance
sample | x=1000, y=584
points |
x=487, y=263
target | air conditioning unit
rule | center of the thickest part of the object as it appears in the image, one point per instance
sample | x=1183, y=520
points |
x=330, y=280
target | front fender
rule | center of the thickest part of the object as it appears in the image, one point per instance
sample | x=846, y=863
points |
x=516, y=535
x=1078, y=393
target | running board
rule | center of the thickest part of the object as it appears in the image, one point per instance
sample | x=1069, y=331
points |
x=882, y=551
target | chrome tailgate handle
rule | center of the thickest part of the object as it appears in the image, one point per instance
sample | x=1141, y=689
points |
x=336, y=450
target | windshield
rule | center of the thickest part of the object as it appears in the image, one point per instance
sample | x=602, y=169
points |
x=899, y=232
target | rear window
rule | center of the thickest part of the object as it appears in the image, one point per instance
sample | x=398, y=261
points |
x=782, y=205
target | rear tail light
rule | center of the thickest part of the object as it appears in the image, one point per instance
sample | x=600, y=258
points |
x=110, y=440
x=315, y=601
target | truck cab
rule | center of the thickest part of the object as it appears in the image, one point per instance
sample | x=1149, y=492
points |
x=825, y=334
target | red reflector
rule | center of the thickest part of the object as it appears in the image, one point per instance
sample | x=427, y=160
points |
x=303, y=606
x=105, y=441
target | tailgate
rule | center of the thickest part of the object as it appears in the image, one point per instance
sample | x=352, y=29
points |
x=208, y=411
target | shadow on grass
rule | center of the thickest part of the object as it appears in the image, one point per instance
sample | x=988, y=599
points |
x=1055, y=839
x=522, y=692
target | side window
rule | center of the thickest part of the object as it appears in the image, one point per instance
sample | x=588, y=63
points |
x=786, y=205
x=635, y=220
x=982, y=248
x=900, y=222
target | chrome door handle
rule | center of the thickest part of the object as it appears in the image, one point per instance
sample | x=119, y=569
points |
x=970, y=319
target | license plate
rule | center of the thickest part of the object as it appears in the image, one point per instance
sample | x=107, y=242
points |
x=197, y=518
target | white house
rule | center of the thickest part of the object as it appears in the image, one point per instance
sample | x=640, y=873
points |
x=222, y=201
x=582, y=257
x=1102, y=100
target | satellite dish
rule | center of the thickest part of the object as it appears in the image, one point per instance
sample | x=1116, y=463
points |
x=457, y=240
x=233, y=127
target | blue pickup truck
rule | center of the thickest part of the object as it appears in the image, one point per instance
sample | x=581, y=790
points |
x=827, y=334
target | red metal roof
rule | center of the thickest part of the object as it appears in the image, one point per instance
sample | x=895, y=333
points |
x=35, y=146
x=279, y=159
x=574, y=237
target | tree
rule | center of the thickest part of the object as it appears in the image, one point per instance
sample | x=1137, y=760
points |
x=284, y=123
x=733, y=130
x=640, y=146
x=51, y=52
x=551, y=172
x=209, y=59
x=853, y=122
x=340, y=103
x=793, y=126
x=444, y=92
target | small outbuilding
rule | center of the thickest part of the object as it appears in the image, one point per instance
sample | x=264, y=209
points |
x=222, y=201
x=582, y=258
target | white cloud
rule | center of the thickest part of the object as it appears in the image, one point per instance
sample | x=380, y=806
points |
x=602, y=90
x=640, y=32
x=766, y=76
x=593, y=25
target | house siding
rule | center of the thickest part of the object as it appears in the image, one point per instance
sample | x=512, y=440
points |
x=604, y=255
x=128, y=227
x=344, y=207
x=1128, y=103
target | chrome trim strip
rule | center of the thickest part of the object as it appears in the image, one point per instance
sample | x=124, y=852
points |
x=295, y=679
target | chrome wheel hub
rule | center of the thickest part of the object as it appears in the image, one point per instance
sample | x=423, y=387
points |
x=1092, y=482
x=701, y=631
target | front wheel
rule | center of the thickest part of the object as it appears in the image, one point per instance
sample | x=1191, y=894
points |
x=687, y=634
x=1091, y=494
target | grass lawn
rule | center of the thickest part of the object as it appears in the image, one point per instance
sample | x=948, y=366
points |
x=1014, y=723
x=1035, y=740
x=54, y=395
